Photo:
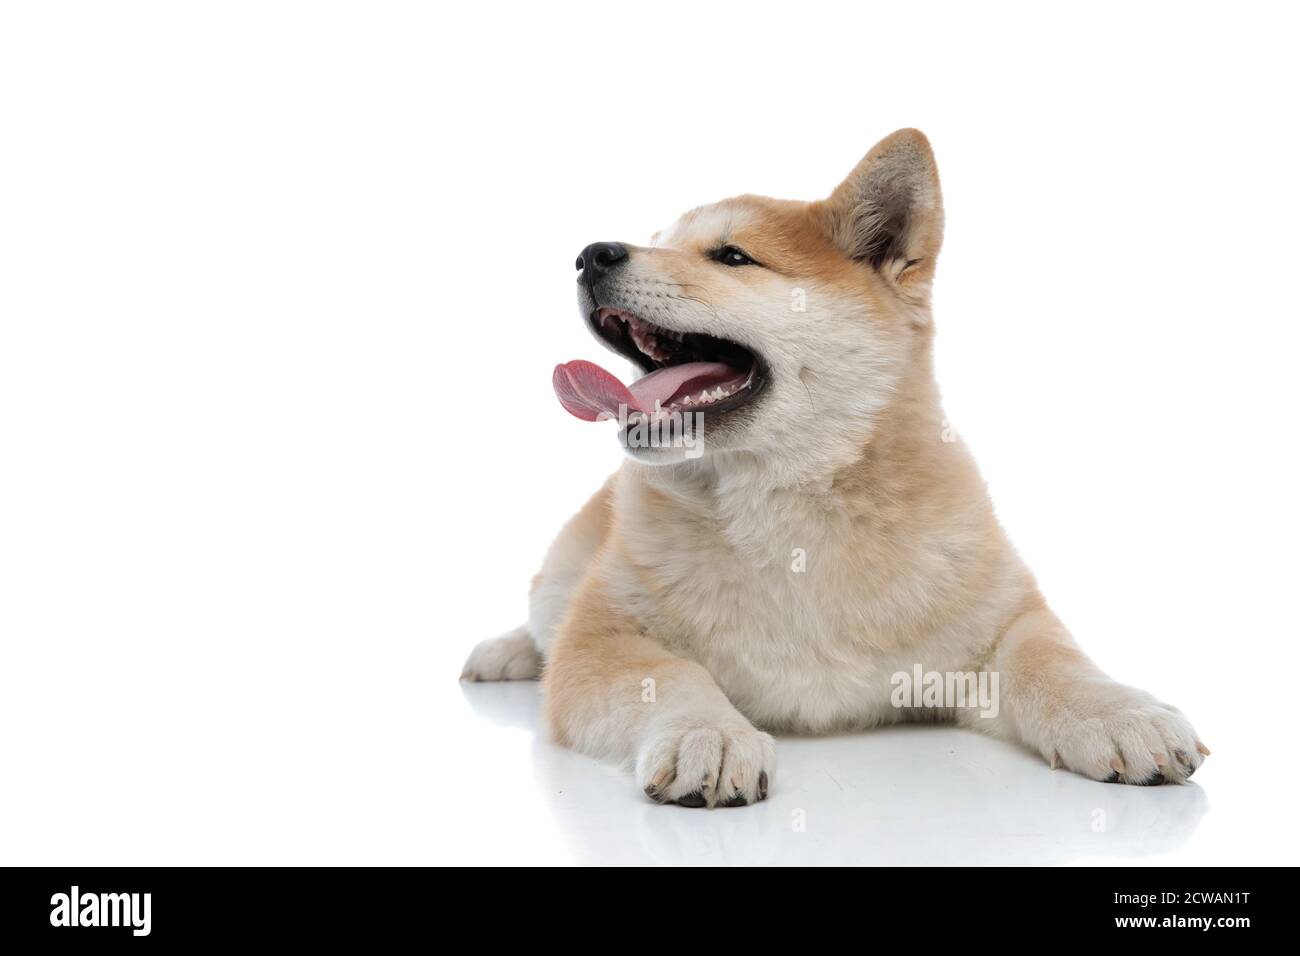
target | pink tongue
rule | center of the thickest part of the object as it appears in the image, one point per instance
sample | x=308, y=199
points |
x=588, y=392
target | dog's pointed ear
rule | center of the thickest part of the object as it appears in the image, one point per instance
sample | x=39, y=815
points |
x=888, y=213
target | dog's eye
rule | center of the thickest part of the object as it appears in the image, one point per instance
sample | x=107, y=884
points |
x=731, y=256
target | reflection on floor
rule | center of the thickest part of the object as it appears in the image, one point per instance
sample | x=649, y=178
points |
x=898, y=796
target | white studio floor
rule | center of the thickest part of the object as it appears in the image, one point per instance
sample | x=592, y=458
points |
x=899, y=796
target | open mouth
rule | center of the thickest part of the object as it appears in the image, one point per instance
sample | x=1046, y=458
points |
x=685, y=371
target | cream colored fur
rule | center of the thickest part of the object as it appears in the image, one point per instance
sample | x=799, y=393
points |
x=829, y=538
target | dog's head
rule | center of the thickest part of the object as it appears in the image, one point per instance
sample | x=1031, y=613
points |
x=783, y=327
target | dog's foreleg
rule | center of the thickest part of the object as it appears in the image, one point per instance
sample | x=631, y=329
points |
x=613, y=693
x=1054, y=700
x=512, y=656
x=518, y=654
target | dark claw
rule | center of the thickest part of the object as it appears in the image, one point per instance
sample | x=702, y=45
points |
x=762, y=785
x=653, y=793
x=737, y=801
x=693, y=799
x=1113, y=778
x=1154, y=780
x=1186, y=762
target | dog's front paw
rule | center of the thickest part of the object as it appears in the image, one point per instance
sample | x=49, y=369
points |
x=1122, y=735
x=511, y=656
x=706, y=763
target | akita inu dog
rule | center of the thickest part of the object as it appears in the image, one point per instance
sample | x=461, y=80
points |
x=813, y=531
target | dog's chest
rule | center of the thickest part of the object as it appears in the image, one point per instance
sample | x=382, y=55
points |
x=799, y=616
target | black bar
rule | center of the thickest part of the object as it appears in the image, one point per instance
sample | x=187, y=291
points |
x=236, y=905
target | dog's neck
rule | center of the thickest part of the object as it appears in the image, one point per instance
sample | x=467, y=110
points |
x=908, y=457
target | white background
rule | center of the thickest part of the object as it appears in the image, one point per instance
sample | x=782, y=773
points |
x=281, y=289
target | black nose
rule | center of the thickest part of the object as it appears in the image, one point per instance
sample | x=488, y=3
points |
x=599, y=258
